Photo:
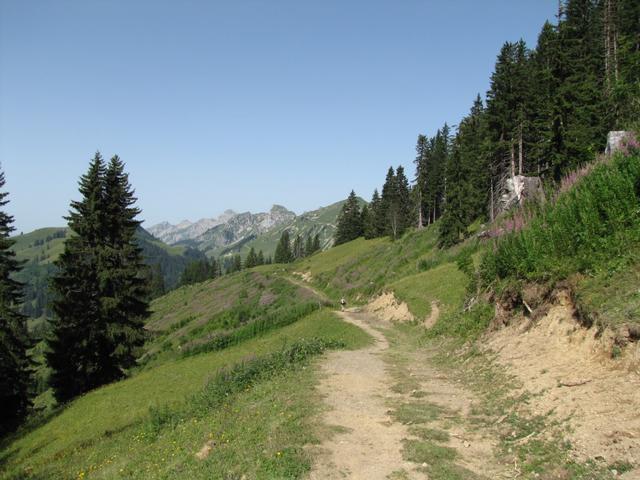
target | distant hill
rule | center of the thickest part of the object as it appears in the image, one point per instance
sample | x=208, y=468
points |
x=40, y=248
x=239, y=232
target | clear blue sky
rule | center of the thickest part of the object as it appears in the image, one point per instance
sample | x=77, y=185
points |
x=236, y=104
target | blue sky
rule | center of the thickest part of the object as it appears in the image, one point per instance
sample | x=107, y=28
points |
x=236, y=104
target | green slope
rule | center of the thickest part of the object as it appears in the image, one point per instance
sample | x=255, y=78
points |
x=121, y=430
x=40, y=248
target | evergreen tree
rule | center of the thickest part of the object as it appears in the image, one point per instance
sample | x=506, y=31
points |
x=76, y=344
x=349, y=222
x=388, y=204
x=298, y=247
x=100, y=287
x=405, y=206
x=366, y=220
x=377, y=215
x=316, y=243
x=582, y=111
x=283, y=249
x=308, y=245
x=156, y=282
x=15, y=364
x=261, y=260
x=237, y=263
x=252, y=259
x=123, y=290
x=422, y=152
x=215, y=269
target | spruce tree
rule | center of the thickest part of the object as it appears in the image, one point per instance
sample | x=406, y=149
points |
x=237, y=263
x=366, y=220
x=100, y=287
x=77, y=337
x=422, y=151
x=308, y=245
x=156, y=282
x=405, y=206
x=261, y=260
x=298, y=248
x=388, y=205
x=283, y=252
x=123, y=290
x=377, y=215
x=349, y=225
x=15, y=364
x=252, y=259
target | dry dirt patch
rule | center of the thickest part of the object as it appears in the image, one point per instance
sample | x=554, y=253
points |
x=570, y=372
x=355, y=384
x=388, y=308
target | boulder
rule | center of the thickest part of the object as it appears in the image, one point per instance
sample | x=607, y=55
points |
x=518, y=189
x=616, y=140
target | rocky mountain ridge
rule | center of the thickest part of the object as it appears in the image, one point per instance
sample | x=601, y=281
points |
x=237, y=232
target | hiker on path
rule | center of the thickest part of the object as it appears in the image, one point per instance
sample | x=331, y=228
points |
x=343, y=303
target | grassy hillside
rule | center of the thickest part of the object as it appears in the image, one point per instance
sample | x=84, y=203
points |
x=40, y=248
x=124, y=430
x=412, y=267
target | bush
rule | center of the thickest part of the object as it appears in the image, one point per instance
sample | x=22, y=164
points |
x=596, y=220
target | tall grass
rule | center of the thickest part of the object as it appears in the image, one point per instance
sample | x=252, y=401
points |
x=280, y=318
x=594, y=221
x=236, y=378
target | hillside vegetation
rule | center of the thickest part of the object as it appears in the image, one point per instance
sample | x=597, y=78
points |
x=42, y=247
x=144, y=427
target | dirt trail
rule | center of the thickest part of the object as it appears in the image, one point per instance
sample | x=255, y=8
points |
x=305, y=285
x=355, y=385
x=381, y=398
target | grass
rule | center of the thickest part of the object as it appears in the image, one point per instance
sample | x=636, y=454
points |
x=216, y=313
x=431, y=434
x=464, y=326
x=609, y=298
x=445, y=284
x=587, y=226
x=104, y=423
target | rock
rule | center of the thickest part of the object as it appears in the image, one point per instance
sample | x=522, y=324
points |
x=424, y=464
x=466, y=444
x=616, y=140
x=518, y=189
x=205, y=450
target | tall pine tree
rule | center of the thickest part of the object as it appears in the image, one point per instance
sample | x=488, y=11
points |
x=123, y=289
x=100, y=288
x=283, y=252
x=349, y=221
x=15, y=364
x=78, y=330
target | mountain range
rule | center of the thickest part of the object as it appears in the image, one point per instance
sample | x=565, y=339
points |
x=233, y=232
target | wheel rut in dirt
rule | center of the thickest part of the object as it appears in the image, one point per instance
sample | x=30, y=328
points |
x=367, y=444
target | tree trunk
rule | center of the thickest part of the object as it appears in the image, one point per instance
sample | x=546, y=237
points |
x=520, y=153
x=419, y=209
x=492, y=214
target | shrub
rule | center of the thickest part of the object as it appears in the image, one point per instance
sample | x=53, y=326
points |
x=597, y=219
